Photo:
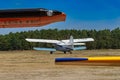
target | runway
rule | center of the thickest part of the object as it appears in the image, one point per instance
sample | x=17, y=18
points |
x=40, y=65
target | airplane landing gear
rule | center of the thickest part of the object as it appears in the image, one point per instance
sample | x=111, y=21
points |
x=64, y=52
x=51, y=52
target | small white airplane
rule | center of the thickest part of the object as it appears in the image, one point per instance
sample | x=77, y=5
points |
x=63, y=45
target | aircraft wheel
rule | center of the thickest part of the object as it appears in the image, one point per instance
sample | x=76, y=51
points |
x=64, y=52
x=51, y=52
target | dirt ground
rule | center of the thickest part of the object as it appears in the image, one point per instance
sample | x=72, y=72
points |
x=39, y=65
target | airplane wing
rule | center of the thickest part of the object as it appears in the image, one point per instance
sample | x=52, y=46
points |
x=36, y=17
x=83, y=40
x=80, y=48
x=79, y=40
x=79, y=44
x=44, y=49
x=42, y=40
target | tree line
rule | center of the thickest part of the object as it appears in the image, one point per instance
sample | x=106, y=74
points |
x=104, y=39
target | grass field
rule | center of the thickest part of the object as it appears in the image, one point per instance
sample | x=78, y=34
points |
x=39, y=65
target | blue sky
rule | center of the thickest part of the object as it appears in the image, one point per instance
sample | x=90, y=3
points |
x=81, y=14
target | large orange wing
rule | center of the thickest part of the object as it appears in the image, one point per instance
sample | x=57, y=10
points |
x=29, y=17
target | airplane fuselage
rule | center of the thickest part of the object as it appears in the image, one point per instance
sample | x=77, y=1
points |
x=63, y=48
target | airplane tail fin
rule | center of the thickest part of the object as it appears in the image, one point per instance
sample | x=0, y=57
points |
x=71, y=42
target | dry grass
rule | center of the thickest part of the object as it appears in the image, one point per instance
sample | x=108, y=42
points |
x=39, y=65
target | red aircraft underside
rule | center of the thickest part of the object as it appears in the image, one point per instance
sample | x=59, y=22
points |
x=37, y=21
